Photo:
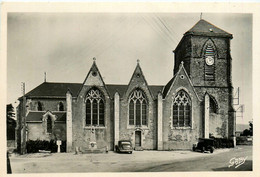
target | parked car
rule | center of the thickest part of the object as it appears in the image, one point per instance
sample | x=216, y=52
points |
x=204, y=144
x=124, y=146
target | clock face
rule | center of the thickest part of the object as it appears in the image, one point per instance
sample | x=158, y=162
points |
x=209, y=60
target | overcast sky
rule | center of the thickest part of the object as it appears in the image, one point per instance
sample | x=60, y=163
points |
x=63, y=45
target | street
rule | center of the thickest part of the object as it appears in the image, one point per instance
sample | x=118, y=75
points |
x=219, y=162
x=139, y=161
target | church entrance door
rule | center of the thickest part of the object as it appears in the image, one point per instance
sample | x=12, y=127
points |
x=137, y=138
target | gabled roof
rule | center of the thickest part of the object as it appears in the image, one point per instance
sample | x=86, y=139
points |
x=138, y=70
x=94, y=68
x=203, y=27
x=167, y=87
x=36, y=116
x=155, y=89
x=56, y=89
x=172, y=81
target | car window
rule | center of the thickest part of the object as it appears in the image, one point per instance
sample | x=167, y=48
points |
x=128, y=143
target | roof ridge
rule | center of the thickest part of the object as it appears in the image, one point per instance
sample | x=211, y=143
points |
x=62, y=83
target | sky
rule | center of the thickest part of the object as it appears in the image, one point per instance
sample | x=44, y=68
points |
x=63, y=45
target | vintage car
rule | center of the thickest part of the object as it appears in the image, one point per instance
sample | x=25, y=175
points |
x=124, y=146
x=204, y=144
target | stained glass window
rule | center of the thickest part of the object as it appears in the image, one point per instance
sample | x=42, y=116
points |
x=95, y=108
x=181, y=110
x=137, y=108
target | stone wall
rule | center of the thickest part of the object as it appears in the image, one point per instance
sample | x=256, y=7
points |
x=191, y=51
x=181, y=137
x=148, y=133
x=218, y=122
x=82, y=134
x=47, y=104
x=38, y=131
x=183, y=53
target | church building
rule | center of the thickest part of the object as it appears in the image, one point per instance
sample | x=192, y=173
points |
x=195, y=103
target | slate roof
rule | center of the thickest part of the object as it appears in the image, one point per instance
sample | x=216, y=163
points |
x=51, y=89
x=203, y=27
x=54, y=89
x=167, y=87
x=37, y=116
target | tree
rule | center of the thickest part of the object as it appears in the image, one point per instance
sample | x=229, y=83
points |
x=251, y=127
x=10, y=122
x=248, y=132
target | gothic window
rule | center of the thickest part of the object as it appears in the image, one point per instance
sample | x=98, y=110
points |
x=181, y=110
x=61, y=106
x=95, y=108
x=209, y=63
x=213, y=108
x=39, y=106
x=49, y=125
x=137, y=108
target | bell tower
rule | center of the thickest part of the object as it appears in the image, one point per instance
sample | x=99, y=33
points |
x=205, y=51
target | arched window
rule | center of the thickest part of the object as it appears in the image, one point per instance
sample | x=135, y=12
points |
x=209, y=63
x=61, y=106
x=39, y=106
x=181, y=110
x=49, y=125
x=137, y=108
x=213, y=107
x=95, y=108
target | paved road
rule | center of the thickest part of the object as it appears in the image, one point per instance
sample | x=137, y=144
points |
x=139, y=161
x=219, y=162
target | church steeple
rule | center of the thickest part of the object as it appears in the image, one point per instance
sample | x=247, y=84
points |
x=205, y=50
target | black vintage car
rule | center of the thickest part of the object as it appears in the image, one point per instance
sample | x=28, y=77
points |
x=204, y=144
x=124, y=146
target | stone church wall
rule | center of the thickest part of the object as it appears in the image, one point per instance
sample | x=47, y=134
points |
x=175, y=138
x=38, y=131
x=148, y=133
x=218, y=122
x=47, y=104
x=198, y=62
x=183, y=53
x=83, y=135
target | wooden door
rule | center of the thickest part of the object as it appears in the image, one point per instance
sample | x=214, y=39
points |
x=137, y=138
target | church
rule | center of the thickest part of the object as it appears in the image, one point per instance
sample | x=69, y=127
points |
x=195, y=103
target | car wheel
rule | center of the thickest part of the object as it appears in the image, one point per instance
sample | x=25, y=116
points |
x=203, y=149
x=193, y=148
x=211, y=150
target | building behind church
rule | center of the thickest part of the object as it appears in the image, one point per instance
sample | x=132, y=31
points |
x=195, y=103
